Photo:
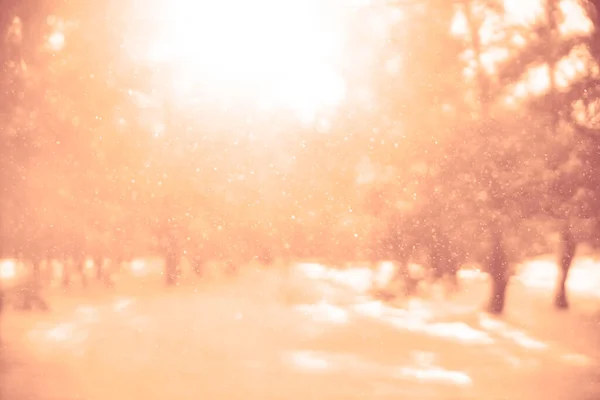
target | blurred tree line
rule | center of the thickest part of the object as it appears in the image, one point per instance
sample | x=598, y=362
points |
x=469, y=133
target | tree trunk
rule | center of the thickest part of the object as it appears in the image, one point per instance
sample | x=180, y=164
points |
x=566, y=253
x=498, y=271
x=198, y=264
x=27, y=290
x=32, y=285
x=498, y=295
x=440, y=256
x=230, y=267
x=35, y=298
x=66, y=273
x=79, y=264
x=171, y=265
x=436, y=259
x=444, y=263
x=452, y=284
x=399, y=250
x=266, y=256
x=411, y=283
x=99, y=266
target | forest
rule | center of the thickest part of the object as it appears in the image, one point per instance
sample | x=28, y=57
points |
x=449, y=131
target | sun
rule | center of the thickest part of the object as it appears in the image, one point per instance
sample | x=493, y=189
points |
x=280, y=53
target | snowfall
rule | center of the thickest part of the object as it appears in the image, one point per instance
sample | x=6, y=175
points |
x=305, y=332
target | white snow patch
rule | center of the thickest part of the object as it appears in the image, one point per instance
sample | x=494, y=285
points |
x=584, y=276
x=122, y=304
x=458, y=331
x=371, y=309
x=435, y=374
x=357, y=279
x=538, y=274
x=524, y=340
x=417, y=318
x=517, y=336
x=579, y=360
x=61, y=332
x=309, y=360
x=383, y=275
x=324, y=312
x=472, y=274
x=88, y=313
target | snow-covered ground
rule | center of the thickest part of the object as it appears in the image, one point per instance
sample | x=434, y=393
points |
x=307, y=332
x=584, y=277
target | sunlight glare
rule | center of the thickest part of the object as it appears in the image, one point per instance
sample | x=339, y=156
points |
x=575, y=21
x=523, y=11
x=572, y=67
x=138, y=267
x=8, y=269
x=56, y=41
x=459, y=25
x=538, y=80
x=281, y=54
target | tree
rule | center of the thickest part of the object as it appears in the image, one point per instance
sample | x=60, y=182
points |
x=417, y=108
x=561, y=49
